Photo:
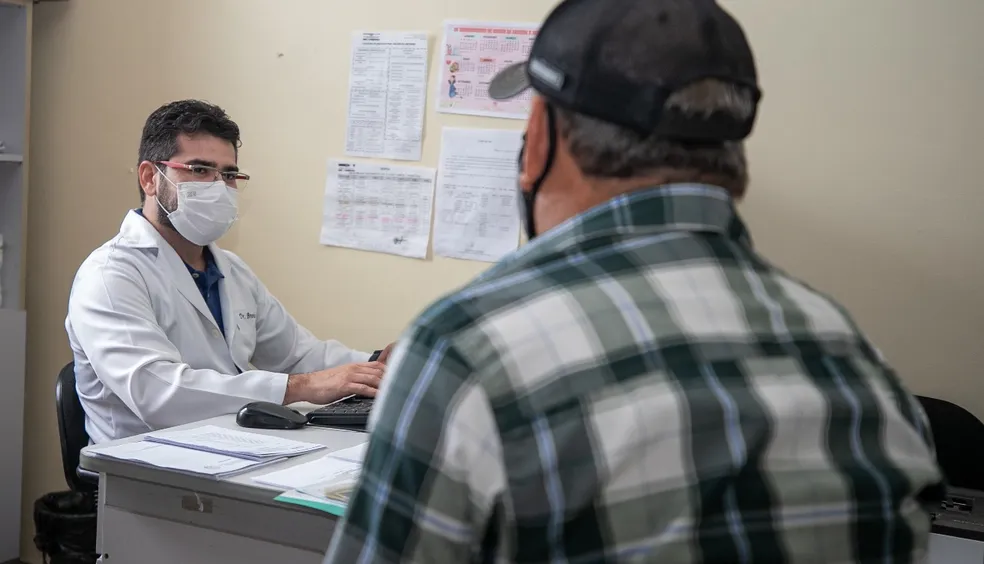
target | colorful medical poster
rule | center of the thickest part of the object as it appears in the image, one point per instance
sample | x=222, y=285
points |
x=473, y=52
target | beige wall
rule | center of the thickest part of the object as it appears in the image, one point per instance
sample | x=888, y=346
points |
x=863, y=164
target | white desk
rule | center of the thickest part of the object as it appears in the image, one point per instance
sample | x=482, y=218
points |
x=946, y=549
x=958, y=536
x=150, y=516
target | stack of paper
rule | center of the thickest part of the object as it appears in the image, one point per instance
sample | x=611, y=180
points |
x=208, y=451
x=352, y=454
x=183, y=460
x=324, y=484
x=331, y=496
x=317, y=471
x=250, y=446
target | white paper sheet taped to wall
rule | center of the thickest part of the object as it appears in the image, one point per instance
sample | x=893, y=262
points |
x=382, y=208
x=478, y=216
x=387, y=95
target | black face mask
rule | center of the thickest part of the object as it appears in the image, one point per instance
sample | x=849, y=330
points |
x=528, y=198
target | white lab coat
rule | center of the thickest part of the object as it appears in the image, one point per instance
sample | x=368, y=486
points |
x=148, y=353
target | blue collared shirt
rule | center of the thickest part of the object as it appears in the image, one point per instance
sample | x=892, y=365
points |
x=208, y=284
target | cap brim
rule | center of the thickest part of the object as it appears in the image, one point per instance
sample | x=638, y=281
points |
x=510, y=82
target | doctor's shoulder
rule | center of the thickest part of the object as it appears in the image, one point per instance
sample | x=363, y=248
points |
x=115, y=270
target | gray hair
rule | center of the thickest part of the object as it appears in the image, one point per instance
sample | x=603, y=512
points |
x=605, y=150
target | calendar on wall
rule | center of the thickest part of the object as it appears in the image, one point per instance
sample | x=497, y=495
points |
x=473, y=53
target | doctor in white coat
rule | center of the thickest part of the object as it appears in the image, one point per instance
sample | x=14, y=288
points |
x=166, y=328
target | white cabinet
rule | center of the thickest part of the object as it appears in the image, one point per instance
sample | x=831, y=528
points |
x=15, y=52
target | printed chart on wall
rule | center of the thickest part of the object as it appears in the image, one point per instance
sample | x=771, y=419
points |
x=477, y=206
x=473, y=53
x=378, y=208
x=387, y=95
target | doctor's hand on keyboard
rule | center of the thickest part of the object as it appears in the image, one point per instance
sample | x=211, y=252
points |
x=326, y=386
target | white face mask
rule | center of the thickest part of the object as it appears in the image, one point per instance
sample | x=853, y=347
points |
x=205, y=212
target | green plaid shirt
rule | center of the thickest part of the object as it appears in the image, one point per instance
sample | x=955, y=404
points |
x=639, y=385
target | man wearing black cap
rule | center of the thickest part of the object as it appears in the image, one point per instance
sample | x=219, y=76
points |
x=637, y=383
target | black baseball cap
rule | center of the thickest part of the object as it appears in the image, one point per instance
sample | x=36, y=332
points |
x=685, y=40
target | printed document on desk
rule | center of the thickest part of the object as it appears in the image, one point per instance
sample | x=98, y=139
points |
x=477, y=207
x=331, y=496
x=474, y=52
x=378, y=208
x=328, y=467
x=215, y=439
x=324, y=484
x=184, y=460
x=352, y=454
x=387, y=95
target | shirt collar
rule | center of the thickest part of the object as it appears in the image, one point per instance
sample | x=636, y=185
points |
x=211, y=272
x=664, y=208
x=138, y=232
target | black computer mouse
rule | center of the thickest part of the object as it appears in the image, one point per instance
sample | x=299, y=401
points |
x=267, y=415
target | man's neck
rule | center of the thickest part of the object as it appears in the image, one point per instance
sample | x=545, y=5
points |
x=584, y=192
x=190, y=253
x=609, y=188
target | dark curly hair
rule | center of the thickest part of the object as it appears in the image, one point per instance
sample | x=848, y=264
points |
x=159, y=141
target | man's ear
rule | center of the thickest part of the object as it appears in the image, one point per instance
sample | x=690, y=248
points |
x=147, y=174
x=537, y=149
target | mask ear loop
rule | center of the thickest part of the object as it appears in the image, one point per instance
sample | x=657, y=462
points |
x=551, y=151
x=158, y=200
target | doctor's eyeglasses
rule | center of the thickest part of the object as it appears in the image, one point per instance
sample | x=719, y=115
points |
x=204, y=173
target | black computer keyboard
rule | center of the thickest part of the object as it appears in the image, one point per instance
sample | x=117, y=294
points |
x=350, y=413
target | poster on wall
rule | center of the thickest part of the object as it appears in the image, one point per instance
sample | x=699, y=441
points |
x=472, y=53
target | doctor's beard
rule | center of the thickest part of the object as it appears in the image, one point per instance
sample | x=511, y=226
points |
x=167, y=198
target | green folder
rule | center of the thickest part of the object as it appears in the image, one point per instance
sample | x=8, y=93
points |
x=314, y=502
x=331, y=496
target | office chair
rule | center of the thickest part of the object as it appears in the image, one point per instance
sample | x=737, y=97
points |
x=959, y=438
x=71, y=431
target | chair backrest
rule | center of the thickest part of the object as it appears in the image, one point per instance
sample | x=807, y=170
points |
x=71, y=427
x=959, y=438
